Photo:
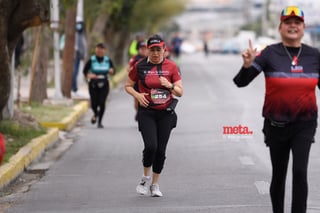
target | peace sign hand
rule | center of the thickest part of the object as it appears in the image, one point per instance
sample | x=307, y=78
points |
x=249, y=55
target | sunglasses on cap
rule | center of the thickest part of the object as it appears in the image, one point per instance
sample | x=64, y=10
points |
x=292, y=11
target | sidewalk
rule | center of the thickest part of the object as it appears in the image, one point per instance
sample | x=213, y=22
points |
x=36, y=147
x=81, y=94
x=25, y=90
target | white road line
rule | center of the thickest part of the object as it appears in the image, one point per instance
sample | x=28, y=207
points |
x=246, y=160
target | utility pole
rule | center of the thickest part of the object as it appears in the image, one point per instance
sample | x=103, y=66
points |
x=247, y=11
x=80, y=11
x=55, y=26
x=265, y=18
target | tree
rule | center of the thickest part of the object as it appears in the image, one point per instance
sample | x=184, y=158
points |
x=118, y=29
x=158, y=13
x=38, y=89
x=112, y=21
x=131, y=17
x=68, y=52
x=99, y=13
x=15, y=17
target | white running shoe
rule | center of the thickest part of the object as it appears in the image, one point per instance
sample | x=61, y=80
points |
x=155, y=191
x=142, y=187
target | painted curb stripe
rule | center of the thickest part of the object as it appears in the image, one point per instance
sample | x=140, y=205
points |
x=68, y=123
x=35, y=148
x=22, y=159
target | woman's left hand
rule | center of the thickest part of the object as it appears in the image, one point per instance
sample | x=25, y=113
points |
x=111, y=71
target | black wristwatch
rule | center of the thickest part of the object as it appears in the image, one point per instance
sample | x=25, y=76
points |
x=172, y=87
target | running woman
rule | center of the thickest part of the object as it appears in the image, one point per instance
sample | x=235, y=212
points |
x=158, y=79
x=96, y=70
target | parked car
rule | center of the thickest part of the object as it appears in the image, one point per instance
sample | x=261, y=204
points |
x=231, y=46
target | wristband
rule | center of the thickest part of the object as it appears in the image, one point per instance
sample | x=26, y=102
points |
x=172, y=87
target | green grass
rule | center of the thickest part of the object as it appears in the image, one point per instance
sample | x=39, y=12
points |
x=17, y=136
x=47, y=113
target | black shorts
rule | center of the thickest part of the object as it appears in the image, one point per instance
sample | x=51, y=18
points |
x=281, y=134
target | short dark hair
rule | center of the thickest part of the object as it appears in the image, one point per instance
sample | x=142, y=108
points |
x=141, y=44
x=101, y=45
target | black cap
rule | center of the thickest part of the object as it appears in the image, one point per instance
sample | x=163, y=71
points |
x=155, y=40
x=141, y=44
x=101, y=45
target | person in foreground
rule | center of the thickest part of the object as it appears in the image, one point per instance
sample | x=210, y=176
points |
x=290, y=112
x=158, y=79
x=96, y=70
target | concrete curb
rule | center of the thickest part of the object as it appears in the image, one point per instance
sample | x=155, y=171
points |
x=68, y=123
x=23, y=158
x=35, y=148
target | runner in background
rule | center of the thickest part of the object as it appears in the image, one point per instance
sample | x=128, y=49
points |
x=133, y=48
x=142, y=53
x=80, y=48
x=176, y=43
x=97, y=70
x=167, y=53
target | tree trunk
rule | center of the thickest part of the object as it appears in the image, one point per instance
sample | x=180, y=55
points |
x=118, y=30
x=117, y=40
x=15, y=17
x=97, y=31
x=120, y=43
x=5, y=68
x=68, y=52
x=38, y=90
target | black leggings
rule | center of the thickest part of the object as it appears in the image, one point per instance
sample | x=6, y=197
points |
x=98, y=90
x=155, y=127
x=296, y=137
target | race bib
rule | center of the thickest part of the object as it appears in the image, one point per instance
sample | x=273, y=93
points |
x=159, y=96
x=100, y=83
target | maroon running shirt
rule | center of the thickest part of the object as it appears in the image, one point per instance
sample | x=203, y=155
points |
x=147, y=76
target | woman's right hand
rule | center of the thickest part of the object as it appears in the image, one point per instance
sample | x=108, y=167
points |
x=249, y=55
x=91, y=76
x=141, y=97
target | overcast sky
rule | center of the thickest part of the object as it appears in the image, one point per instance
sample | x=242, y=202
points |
x=311, y=8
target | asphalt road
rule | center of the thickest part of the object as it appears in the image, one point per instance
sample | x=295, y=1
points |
x=207, y=170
